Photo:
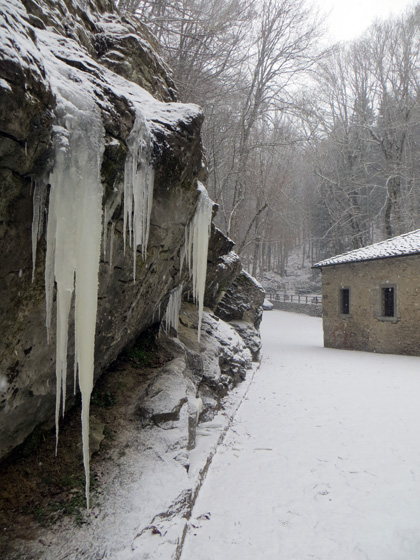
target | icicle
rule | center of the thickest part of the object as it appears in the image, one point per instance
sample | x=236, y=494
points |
x=138, y=189
x=108, y=213
x=74, y=233
x=195, y=250
x=173, y=308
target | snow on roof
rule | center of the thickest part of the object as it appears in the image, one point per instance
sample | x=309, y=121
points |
x=406, y=244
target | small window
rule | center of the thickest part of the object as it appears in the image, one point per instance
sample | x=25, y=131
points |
x=345, y=301
x=388, y=302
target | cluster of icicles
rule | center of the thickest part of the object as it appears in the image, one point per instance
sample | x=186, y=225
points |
x=74, y=234
x=194, y=253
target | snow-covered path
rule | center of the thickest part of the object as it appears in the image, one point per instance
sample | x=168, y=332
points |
x=323, y=458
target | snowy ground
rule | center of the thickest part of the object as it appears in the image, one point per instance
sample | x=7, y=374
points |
x=323, y=458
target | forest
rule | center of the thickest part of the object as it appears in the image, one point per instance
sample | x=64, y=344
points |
x=311, y=148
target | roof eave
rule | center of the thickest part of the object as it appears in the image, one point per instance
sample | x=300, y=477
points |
x=321, y=265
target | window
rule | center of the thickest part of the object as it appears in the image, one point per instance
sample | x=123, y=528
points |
x=388, y=302
x=345, y=301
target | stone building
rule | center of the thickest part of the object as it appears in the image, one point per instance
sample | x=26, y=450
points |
x=371, y=297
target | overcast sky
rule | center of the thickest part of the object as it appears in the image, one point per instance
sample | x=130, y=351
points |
x=349, y=18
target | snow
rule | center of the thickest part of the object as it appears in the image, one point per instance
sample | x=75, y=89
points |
x=144, y=489
x=195, y=250
x=267, y=305
x=406, y=244
x=158, y=116
x=253, y=280
x=5, y=85
x=16, y=46
x=315, y=456
x=322, y=461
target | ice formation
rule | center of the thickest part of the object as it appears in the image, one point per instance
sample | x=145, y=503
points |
x=74, y=232
x=138, y=188
x=195, y=249
x=75, y=223
x=75, y=220
x=173, y=308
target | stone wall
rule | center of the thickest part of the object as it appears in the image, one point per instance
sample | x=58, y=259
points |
x=364, y=328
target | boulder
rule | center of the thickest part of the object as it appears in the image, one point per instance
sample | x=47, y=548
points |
x=243, y=301
x=223, y=267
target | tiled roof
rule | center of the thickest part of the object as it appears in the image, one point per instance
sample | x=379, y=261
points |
x=406, y=244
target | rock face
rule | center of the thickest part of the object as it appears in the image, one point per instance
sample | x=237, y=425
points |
x=116, y=58
x=241, y=305
x=242, y=301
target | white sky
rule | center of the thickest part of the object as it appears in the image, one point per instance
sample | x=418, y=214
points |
x=349, y=18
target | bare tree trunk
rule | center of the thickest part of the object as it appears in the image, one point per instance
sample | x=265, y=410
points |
x=255, y=257
x=392, y=207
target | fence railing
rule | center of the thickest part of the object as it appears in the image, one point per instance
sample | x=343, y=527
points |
x=312, y=299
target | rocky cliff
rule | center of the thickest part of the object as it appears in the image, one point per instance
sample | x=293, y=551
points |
x=87, y=104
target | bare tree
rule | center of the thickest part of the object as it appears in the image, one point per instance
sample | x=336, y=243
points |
x=393, y=54
x=282, y=52
x=368, y=137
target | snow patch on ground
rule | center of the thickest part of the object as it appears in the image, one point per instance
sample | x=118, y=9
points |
x=322, y=460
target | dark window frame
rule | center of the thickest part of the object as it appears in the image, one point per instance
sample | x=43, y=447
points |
x=388, y=302
x=345, y=301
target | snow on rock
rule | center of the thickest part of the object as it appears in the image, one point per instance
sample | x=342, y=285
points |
x=222, y=358
x=166, y=395
x=223, y=267
x=5, y=85
x=250, y=335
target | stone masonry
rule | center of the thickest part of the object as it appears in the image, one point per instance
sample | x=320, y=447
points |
x=365, y=327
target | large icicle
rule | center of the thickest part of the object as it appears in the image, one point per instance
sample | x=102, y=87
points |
x=138, y=188
x=195, y=249
x=74, y=231
x=173, y=308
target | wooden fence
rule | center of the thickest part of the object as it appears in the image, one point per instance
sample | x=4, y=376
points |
x=284, y=297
